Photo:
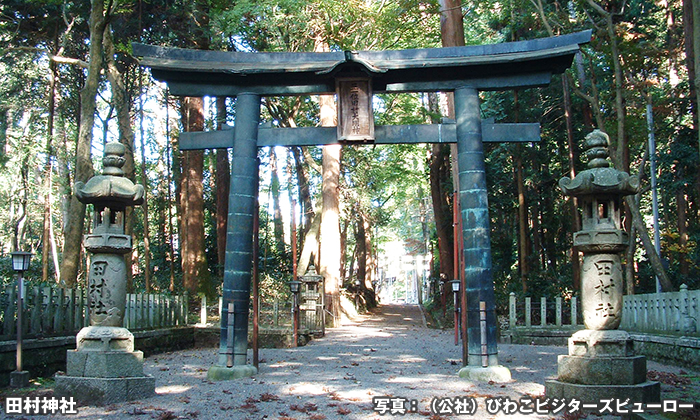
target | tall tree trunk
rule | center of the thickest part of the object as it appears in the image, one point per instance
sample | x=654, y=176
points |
x=696, y=51
x=121, y=103
x=537, y=255
x=223, y=186
x=194, y=263
x=3, y=133
x=344, y=251
x=575, y=216
x=619, y=148
x=371, y=265
x=452, y=35
x=330, y=212
x=330, y=222
x=439, y=167
x=682, y=218
x=75, y=221
x=311, y=245
x=361, y=241
x=276, y=207
x=365, y=259
x=145, y=205
x=439, y=173
x=629, y=262
x=523, y=236
x=172, y=156
x=46, y=241
x=19, y=212
x=307, y=207
x=654, y=258
x=691, y=27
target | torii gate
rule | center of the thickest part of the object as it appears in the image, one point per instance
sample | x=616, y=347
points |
x=354, y=76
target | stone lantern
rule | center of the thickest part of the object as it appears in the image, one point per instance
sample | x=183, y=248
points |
x=104, y=368
x=312, y=295
x=601, y=363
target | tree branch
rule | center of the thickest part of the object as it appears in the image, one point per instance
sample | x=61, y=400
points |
x=310, y=160
x=67, y=60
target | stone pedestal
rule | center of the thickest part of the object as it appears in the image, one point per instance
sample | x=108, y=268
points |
x=19, y=379
x=601, y=365
x=105, y=369
x=496, y=373
x=223, y=373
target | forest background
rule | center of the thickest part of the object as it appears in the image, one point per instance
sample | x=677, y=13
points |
x=69, y=83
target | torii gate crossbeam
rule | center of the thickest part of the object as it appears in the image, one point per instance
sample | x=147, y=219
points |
x=463, y=70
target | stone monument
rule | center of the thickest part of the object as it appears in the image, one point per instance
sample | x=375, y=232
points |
x=104, y=368
x=601, y=363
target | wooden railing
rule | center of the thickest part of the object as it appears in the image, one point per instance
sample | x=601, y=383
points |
x=544, y=313
x=670, y=312
x=54, y=311
x=274, y=315
x=677, y=312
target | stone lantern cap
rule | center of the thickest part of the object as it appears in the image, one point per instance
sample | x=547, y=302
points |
x=111, y=189
x=311, y=276
x=599, y=178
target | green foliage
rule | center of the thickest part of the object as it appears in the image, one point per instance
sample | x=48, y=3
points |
x=294, y=25
x=388, y=184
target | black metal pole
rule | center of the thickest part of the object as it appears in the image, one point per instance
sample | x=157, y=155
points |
x=456, y=298
x=20, y=309
x=295, y=313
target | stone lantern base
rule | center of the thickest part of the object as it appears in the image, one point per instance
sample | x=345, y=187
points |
x=601, y=365
x=105, y=369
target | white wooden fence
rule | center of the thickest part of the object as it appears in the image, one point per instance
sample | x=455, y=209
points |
x=543, y=313
x=54, y=311
x=662, y=312
x=670, y=312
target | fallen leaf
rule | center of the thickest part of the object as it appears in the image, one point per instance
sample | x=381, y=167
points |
x=268, y=397
x=166, y=415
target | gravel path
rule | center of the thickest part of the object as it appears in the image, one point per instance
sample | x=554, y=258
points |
x=387, y=353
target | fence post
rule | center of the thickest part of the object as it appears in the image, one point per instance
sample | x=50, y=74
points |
x=160, y=310
x=36, y=301
x=276, y=312
x=543, y=311
x=78, y=309
x=558, y=311
x=140, y=308
x=59, y=314
x=153, y=307
x=11, y=311
x=686, y=321
x=574, y=311
x=512, y=315
x=203, y=311
x=133, y=310
x=185, y=308
x=221, y=309
x=50, y=309
x=70, y=310
x=528, y=312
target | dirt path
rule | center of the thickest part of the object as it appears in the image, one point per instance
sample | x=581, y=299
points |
x=389, y=354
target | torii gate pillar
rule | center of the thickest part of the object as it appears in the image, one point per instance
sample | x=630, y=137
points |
x=233, y=347
x=482, y=347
